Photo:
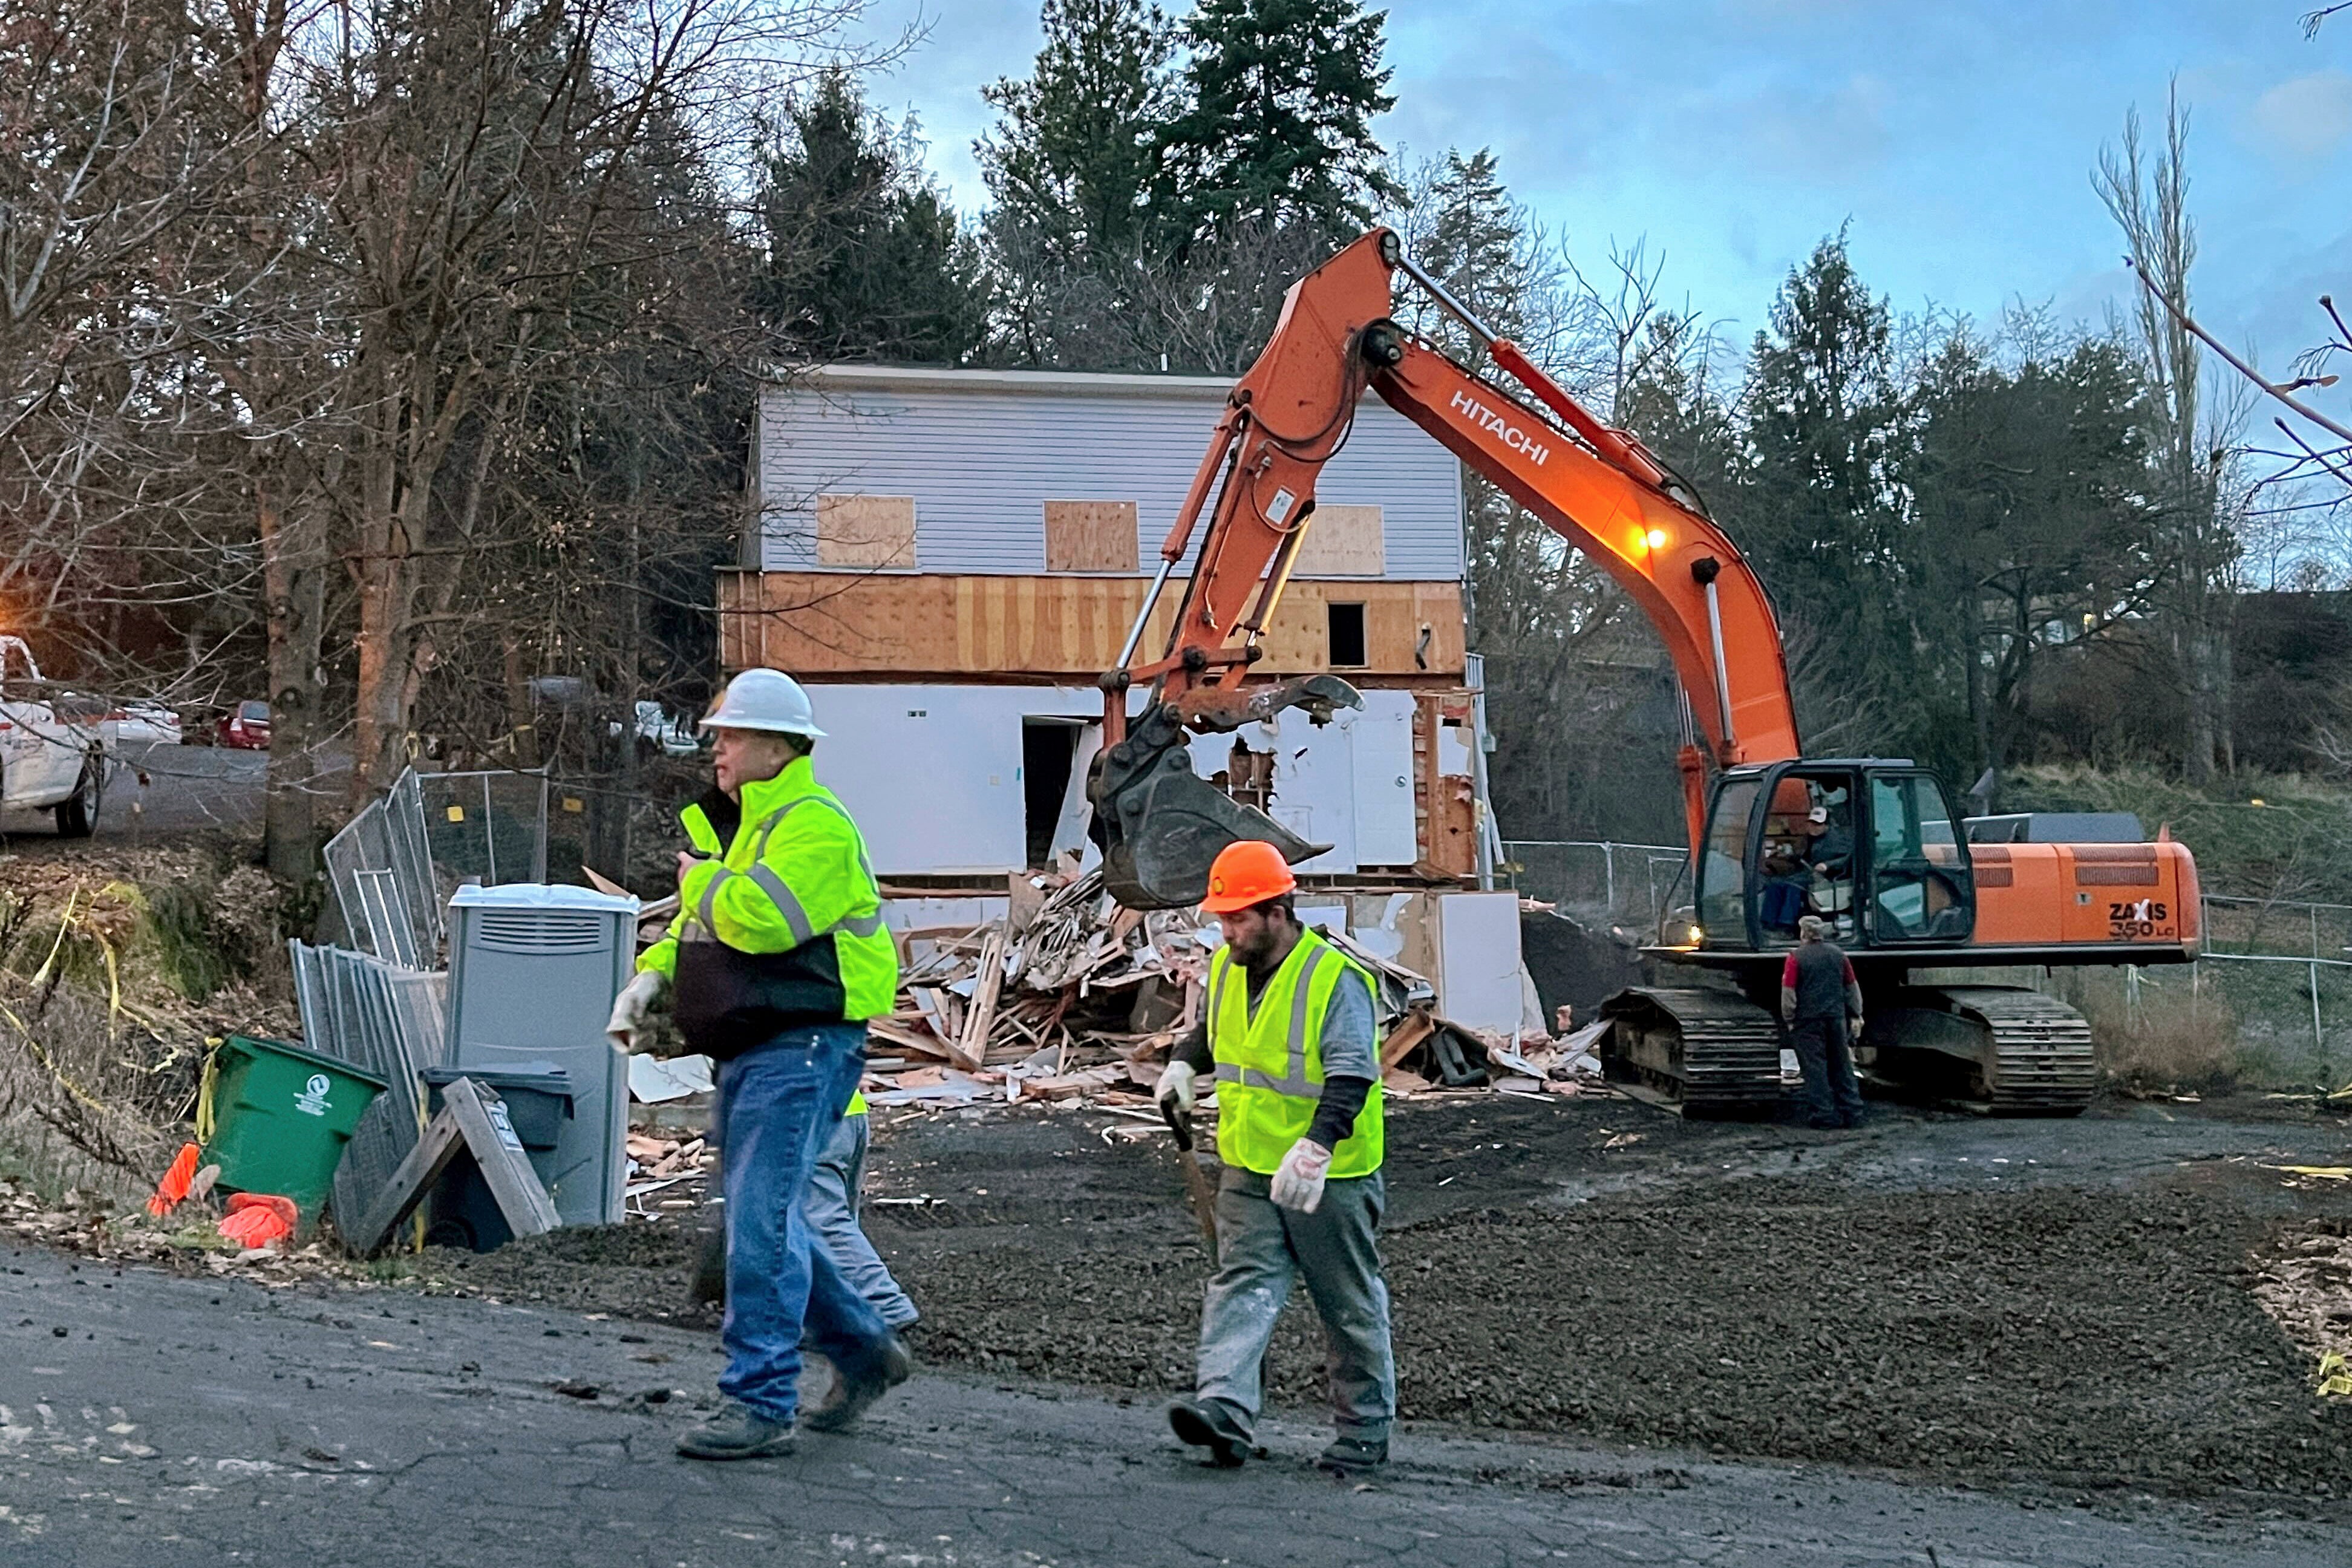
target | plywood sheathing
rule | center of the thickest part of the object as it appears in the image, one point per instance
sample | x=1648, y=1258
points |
x=865, y=531
x=891, y=627
x=1342, y=542
x=1090, y=536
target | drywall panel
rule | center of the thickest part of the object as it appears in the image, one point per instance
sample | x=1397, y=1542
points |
x=1090, y=536
x=869, y=532
x=1341, y=541
x=1383, y=780
x=932, y=773
x=981, y=453
x=1478, y=960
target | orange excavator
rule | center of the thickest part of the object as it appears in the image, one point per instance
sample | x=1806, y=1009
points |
x=1869, y=843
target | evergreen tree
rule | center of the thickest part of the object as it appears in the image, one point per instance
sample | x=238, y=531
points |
x=1277, y=126
x=1820, y=516
x=1071, y=161
x=865, y=258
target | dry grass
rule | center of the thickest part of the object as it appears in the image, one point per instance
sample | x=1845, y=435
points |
x=2166, y=1044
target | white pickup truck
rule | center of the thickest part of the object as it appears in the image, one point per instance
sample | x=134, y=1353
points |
x=49, y=759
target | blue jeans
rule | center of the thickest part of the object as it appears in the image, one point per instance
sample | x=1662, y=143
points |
x=837, y=1189
x=779, y=1103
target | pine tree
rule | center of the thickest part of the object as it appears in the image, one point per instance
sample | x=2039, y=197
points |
x=1279, y=125
x=1071, y=161
x=865, y=257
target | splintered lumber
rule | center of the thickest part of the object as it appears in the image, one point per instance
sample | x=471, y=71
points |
x=972, y=1050
x=1406, y=1038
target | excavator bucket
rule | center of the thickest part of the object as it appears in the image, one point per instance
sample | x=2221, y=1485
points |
x=1159, y=824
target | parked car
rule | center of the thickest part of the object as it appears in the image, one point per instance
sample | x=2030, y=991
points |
x=142, y=724
x=658, y=731
x=245, y=726
x=49, y=759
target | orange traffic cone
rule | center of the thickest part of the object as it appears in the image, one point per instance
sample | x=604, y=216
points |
x=174, y=1187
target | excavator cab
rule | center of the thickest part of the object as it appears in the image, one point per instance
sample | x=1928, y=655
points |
x=1871, y=846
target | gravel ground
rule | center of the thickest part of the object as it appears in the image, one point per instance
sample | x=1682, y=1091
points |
x=2061, y=1304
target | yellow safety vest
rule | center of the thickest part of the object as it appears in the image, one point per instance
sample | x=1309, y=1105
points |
x=797, y=872
x=1269, y=1063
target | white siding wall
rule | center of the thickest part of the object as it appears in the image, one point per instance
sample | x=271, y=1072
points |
x=982, y=458
x=933, y=773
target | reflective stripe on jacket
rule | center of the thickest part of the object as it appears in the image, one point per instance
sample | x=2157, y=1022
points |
x=783, y=928
x=1269, y=1061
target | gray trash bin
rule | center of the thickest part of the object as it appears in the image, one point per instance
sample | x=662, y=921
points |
x=539, y=1102
x=533, y=970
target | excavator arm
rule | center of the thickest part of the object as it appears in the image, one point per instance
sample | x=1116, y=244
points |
x=1157, y=824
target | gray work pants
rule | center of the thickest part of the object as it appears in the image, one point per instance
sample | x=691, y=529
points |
x=835, y=1190
x=1826, y=1058
x=1261, y=1249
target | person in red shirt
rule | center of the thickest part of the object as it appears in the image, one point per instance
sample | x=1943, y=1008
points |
x=1820, y=1002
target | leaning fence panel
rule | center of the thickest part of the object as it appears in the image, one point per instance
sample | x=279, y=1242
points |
x=1599, y=882
x=389, y=1020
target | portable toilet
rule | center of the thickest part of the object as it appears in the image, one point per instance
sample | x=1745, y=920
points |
x=533, y=970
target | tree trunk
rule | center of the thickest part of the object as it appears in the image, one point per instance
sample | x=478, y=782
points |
x=294, y=579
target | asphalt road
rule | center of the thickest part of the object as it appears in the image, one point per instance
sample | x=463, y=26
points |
x=147, y=1419
x=153, y=791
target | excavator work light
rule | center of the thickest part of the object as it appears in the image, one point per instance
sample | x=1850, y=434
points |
x=1655, y=539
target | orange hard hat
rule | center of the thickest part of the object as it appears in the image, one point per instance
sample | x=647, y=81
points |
x=1248, y=871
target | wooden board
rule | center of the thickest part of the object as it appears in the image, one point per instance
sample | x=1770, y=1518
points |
x=1068, y=629
x=865, y=531
x=1342, y=542
x=1090, y=536
x=472, y=1123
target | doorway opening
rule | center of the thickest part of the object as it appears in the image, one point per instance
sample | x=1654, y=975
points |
x=1048, y=748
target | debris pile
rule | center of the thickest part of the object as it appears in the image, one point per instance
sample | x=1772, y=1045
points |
x=1084, y=1000
x=669, y=1175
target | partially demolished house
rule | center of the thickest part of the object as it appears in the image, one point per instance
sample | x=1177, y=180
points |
x=949, y=558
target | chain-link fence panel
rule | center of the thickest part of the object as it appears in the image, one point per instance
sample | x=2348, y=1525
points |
x=1601, y=884
x=388, y=1020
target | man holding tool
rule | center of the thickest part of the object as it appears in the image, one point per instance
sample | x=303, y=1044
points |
x=1294, y=1042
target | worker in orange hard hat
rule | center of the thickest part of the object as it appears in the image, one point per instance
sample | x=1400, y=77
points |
x=1293, y=1035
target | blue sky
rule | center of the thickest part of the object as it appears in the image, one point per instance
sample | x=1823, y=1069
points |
x=1957, y=136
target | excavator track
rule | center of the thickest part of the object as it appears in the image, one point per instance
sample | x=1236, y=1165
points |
x=2000, y=1049
x=1707, y=1051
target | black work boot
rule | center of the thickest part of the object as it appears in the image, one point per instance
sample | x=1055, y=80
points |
x=1353, y=1455
x=737, y=1432
x=1205, y=1424
x=850, y=1396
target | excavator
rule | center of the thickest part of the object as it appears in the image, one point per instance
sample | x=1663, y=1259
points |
x=1869, y=843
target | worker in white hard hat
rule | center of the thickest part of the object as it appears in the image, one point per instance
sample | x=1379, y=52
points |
x=778, y=956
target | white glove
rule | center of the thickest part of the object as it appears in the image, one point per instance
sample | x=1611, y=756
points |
x=1298, y=1180
x=1174, y=1091
x=627, y=1024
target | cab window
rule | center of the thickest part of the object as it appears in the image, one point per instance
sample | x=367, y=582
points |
x=1722, y=875
x=1920, y=884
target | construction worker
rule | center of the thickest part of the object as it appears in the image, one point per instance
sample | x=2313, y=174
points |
x=777, y=957
x=837, y=1186
x=1291, y=1034
x=1820, y=1001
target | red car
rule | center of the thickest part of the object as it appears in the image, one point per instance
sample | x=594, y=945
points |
x=246, y=726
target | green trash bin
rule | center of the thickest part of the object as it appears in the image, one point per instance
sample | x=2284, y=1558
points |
x=281, y=1116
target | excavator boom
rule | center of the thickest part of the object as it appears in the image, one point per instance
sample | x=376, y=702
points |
x=1334, y=340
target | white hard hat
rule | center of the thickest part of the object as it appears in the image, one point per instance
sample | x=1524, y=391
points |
x=764, y=699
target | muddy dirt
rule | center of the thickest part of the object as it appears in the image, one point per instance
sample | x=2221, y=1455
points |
x=2056, y=1303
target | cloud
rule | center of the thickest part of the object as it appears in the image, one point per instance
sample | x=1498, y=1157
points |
x=2307, y=116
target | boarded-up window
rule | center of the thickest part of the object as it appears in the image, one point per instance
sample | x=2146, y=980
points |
x=865, y=531
x=1090, y=536
x=1342, y=542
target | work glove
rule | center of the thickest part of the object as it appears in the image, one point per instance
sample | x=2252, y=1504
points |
x=1854, y=1029
x=1298, y=1180
x=1174, y=1091
x=630, y=1008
